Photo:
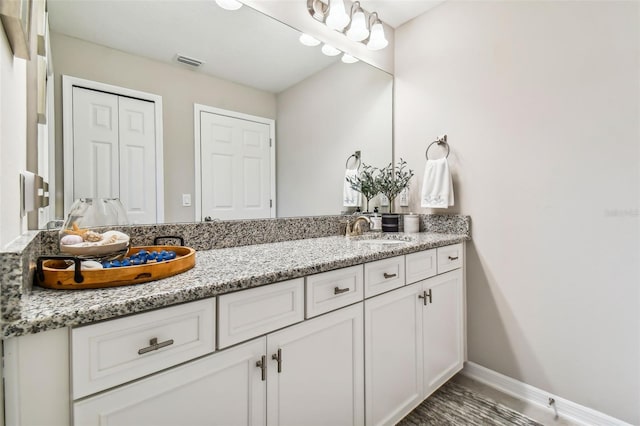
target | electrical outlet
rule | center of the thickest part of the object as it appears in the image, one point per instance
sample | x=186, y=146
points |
x=186, y=200
x=404, y=198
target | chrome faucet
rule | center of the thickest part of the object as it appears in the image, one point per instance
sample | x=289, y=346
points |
x=354, y=228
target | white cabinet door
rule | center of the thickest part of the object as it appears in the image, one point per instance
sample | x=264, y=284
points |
x=393, y=354
x=235, y=167
x=443, y=329
x=223, y=389
x=320, y=380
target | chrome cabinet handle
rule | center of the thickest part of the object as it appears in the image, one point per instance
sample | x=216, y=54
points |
x=278, y=357
x=453, y=258
x=387, y=276
x=426, y=297
x=262, y=364
x=154, y=345
x=338, y=290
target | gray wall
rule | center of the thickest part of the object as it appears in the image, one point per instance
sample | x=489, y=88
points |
x=323, y=120
x=540, y=101
x=179, y=87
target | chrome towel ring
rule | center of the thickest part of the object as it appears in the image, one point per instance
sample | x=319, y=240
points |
x=355, y=155
x=442, y=140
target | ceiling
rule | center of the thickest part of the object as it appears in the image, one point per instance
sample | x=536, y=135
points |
x=242, y=46
x=397, y=12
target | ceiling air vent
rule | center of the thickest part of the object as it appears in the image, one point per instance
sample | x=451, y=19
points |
x=189, y=61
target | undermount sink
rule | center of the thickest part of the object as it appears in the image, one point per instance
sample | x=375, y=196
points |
x=382, y=241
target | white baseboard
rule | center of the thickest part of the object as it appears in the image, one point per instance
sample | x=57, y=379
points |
x=565, y=408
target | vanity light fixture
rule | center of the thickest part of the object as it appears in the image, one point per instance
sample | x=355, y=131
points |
x=357, y=30
x=229, y=4
x=307, y=40
x=358, y=25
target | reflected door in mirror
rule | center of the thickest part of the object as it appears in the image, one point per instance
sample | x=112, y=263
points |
x=236, y=168
x=114, y=151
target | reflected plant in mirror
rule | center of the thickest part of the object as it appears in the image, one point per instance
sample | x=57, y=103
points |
x=366, y=183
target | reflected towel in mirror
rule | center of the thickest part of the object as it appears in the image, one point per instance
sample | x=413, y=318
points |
x=350, y=197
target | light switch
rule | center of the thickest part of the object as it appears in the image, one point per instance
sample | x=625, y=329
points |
x=186, y=200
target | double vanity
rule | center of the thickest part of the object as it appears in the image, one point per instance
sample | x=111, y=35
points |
x=332, y=330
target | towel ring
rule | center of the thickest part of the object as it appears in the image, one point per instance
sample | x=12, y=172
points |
x=355, y=155
x=440, y=141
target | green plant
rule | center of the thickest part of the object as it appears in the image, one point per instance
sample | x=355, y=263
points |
x=365, y=182
x=391, y=182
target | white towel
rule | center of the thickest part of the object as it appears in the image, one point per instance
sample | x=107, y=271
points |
x=351, y=197
x=437, y=186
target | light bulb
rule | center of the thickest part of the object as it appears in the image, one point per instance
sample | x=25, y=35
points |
x=358, y=30
x=338, y=18
x=377, y=40
x=348, y=59
x=330, y=50
x=307, y=40
x=229, y=4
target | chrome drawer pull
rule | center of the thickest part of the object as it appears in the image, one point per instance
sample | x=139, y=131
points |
x=338, y=290
x=387, y=276
x=278, y=357
x=426, y=296
x=262, y=364
x=453, y=258
x=154, y=345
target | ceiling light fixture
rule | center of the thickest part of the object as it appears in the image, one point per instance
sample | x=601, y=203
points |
x=358, y=25
x=229, y=4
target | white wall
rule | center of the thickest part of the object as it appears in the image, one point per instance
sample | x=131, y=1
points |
x=540, y=101
x=322, y=121
x=13, y=140
x=179, y=87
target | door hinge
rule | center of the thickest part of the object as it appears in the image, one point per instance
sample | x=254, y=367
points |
x=270, y=203
x=270, y=142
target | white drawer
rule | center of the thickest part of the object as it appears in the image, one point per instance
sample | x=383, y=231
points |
x=383, y=275
x=114, y=352
x=420, y=265
x=334, y=289
x=449, y=258
x=257, y=311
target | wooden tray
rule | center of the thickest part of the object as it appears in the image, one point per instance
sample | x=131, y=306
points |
x=51, y=272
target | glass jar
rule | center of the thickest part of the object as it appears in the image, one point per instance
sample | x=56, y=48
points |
x=77, y=239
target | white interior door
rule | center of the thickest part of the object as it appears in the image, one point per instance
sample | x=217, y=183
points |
x=235, y=167
x=95, y=145
x=137, y=159
x=114, y=151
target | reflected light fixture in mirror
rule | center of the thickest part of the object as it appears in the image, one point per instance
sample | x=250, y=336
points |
x=329, y=50
x=333, y=15
x=307, y=40
x=229, y=4
x=348, y=59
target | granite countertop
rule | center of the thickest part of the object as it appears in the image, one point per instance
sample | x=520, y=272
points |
x=216, y=272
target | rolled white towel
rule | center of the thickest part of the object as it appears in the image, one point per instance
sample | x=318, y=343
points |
x=437, y=185
x=350, y=197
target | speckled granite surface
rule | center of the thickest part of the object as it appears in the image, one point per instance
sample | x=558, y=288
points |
x=216, y=272
x=231, y=255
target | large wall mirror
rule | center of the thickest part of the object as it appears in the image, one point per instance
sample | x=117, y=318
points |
x=324, y=110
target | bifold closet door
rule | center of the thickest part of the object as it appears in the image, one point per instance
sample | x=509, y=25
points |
x=114, y=151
